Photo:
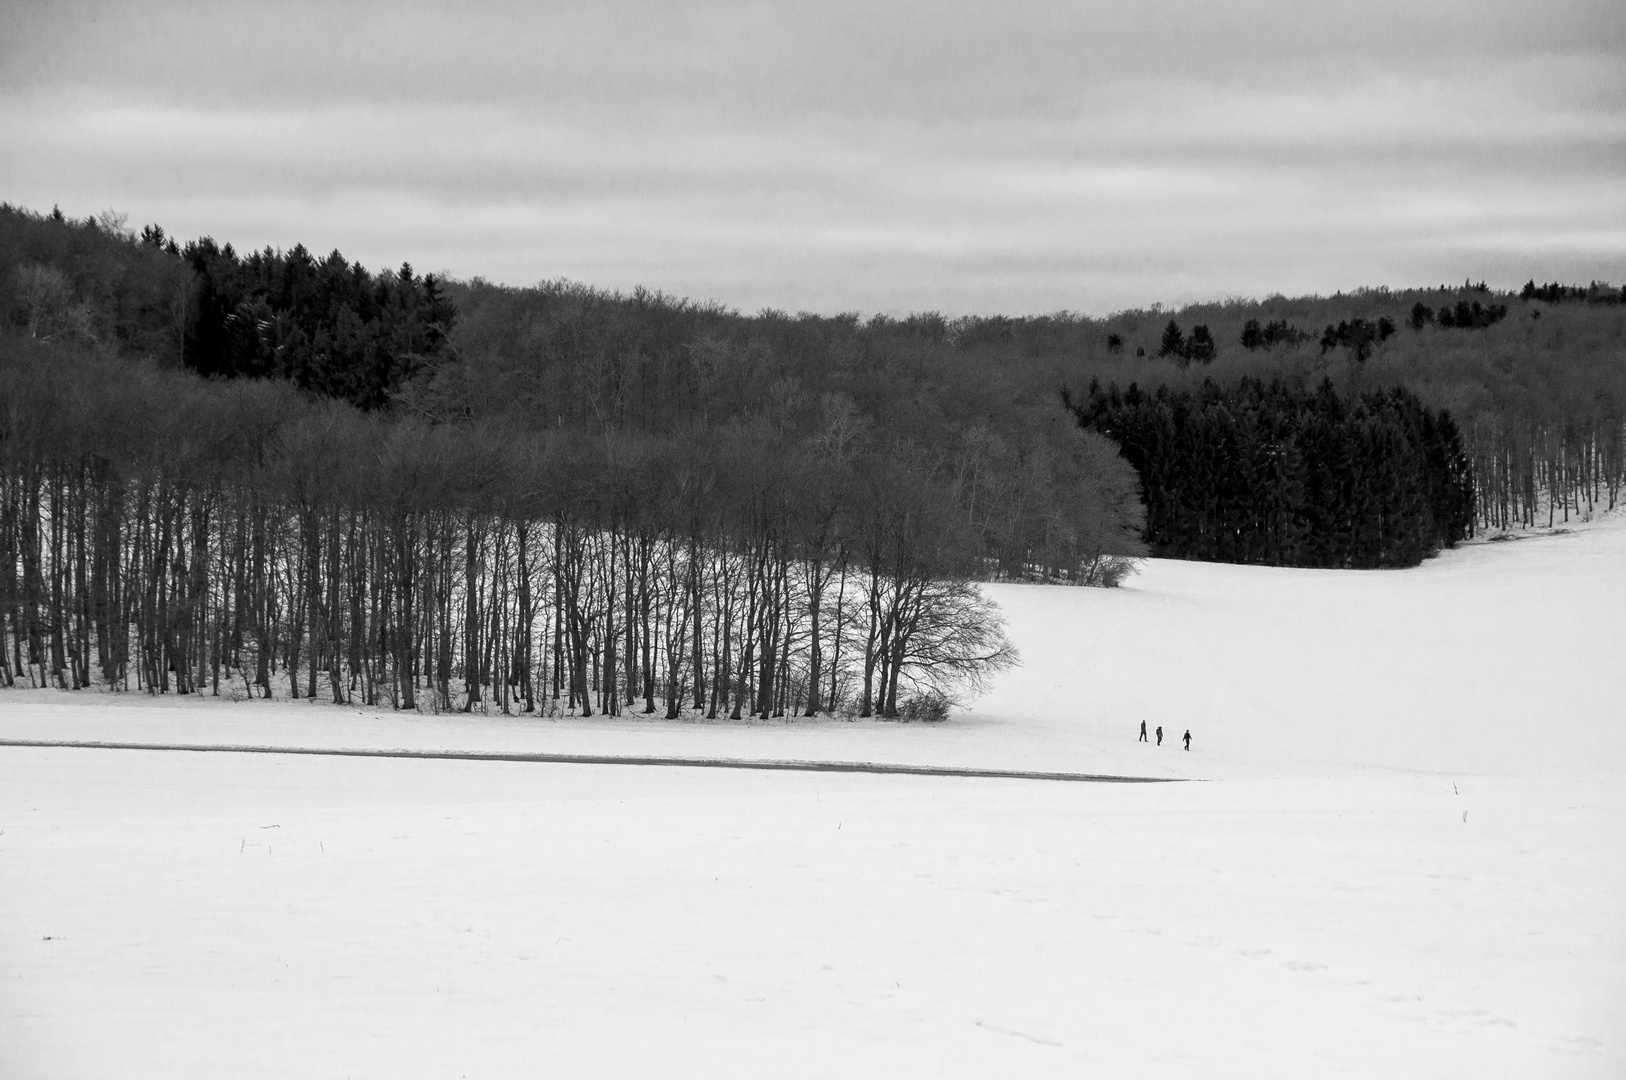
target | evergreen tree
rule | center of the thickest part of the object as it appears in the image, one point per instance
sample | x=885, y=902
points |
x=1174, y=341
x=1200, y=348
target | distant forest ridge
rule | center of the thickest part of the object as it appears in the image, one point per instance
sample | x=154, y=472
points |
x=293, y=299
x=272, y=469
x=391, y=492
x=1532, y=378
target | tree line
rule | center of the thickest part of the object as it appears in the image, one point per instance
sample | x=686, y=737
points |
x=1553, y=292
x=1570, y=461
x=1464, y=315
x=1269, y=473
x=1535, y=387
x=164, y=533
x=1040, y=498
x=1271, y=334
x=326, y=324
x=1358, y=336
x=1537, y=392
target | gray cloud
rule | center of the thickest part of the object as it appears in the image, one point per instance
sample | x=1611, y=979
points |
x=1014, y=157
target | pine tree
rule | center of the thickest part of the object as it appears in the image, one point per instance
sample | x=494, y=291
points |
x=1174, y=341
x=1200, y=348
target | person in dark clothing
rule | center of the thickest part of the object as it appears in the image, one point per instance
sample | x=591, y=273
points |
x=1143, y=731
x=1160, y=734
x=1188, y=738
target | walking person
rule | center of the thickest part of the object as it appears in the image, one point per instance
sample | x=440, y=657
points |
x=1188, y=739
x=1160, y=734
x=1143, y=731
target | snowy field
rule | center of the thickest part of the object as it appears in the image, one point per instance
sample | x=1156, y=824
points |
x=1406, y=857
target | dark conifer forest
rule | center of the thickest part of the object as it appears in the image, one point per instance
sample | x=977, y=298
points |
x=1277, y=475
x=273, y=472
x=327, y=326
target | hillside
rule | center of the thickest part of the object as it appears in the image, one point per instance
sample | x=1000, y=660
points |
x=1404, y=859
x=1536, y=380
x=1456, y=667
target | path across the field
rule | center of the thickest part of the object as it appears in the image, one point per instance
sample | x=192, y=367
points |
x=766, y=764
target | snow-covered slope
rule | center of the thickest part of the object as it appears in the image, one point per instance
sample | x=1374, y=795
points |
x=1409, y=862
x=1505, y=658
x=1494, y=658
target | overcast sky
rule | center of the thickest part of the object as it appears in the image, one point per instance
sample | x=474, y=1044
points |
x=1008, y=157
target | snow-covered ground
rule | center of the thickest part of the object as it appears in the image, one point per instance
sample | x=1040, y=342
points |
x=1408, y=860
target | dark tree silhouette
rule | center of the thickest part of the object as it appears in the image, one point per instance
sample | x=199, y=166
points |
x=1200, y=348
x=1173, y=342
x=1358, y=336
x=1265, y=473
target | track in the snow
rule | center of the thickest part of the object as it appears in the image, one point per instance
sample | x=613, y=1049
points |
x=771, y=765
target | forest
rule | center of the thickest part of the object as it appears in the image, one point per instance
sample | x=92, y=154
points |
x=274, y=472
x=176, y=534
x=1276, y=475
x=643, y=510
x=1536, y=389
